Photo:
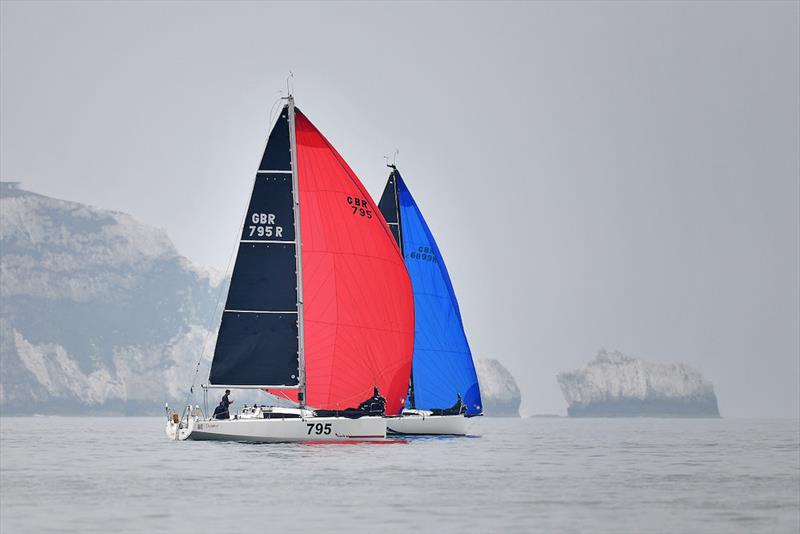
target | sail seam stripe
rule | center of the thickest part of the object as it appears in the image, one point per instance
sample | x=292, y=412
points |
x=357, y=255
x=274, y=172
x=373, y=328
x=265, y=241
x=249, y=386
x=260, y=311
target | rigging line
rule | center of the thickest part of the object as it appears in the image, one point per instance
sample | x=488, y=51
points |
x=272, y=110
x=227, y=269
x=281, y=394
x=290, y=88
x=214, y=312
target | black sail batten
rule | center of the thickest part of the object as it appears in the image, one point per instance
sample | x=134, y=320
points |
x=389, y=206
x=257, y=343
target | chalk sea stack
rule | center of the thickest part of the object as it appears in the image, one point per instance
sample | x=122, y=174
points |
x=615, y=385
x=499, y=391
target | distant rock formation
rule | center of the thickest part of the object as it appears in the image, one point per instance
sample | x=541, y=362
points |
x=499, y=391
x=614, y=385
x=99, y=314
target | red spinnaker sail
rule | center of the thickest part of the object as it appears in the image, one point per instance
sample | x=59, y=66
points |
x=359, y=309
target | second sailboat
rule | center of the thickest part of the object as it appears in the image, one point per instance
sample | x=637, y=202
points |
x=443, y=386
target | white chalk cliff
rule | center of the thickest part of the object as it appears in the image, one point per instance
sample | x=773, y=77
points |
x=616, y=385
x=99, y=312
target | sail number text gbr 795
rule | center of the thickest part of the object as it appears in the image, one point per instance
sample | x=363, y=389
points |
x=263, y=225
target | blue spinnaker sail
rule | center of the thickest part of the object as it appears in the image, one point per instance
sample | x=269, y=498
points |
x=442, y=365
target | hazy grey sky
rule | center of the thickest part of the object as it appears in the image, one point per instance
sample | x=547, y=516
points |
x=619, y=175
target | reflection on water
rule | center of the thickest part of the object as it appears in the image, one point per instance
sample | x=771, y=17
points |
x=518, y=475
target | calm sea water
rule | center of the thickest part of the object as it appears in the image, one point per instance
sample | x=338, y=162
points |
x=520, y=475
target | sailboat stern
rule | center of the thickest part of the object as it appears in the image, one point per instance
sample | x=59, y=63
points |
x=423, y=423
x=180, y=427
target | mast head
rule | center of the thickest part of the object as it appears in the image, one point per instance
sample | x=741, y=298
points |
x=290, y=86
x=289, y=97
x=392, y=165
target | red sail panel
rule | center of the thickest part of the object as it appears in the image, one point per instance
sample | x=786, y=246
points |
x=359, y=309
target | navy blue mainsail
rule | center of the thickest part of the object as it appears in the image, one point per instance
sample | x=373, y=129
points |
x=258, y=337
x=442, y=366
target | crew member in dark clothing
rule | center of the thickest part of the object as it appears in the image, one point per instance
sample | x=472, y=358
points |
x=375, y=404
x=222, y=411
x=459, y=406
x=456, y=409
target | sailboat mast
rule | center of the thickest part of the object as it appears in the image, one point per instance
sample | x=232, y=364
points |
x=397, y=208
x=395, y=174
x=301, y=352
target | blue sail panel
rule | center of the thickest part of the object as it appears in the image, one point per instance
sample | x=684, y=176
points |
x=442, y=366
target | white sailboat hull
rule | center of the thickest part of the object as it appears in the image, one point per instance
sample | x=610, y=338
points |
x=421, y=424
x=279, y=430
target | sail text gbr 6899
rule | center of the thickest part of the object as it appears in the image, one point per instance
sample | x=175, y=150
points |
x=320, y=308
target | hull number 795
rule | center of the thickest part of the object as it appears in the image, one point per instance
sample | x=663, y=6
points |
x=319, y=428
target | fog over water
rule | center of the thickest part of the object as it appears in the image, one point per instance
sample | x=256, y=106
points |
x=618, y=175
